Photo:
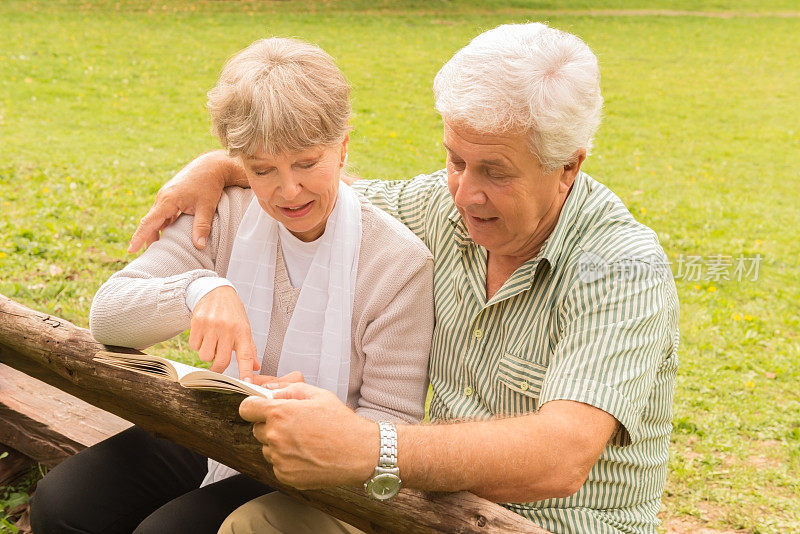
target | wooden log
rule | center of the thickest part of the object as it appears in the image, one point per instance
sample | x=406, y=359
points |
x=59, y=353
x=47, y=424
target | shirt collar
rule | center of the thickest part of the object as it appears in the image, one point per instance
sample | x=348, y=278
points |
x=460, y=232
x=553, y=248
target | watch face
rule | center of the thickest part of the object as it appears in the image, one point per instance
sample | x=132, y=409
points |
x=384, y=486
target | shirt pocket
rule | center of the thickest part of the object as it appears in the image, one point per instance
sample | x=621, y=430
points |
x=519, y=383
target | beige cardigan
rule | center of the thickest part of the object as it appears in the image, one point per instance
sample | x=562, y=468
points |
x=392, y=314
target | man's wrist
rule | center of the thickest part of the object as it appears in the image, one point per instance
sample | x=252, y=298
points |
x=230, y=169
x=385, y=481
x=369, y=445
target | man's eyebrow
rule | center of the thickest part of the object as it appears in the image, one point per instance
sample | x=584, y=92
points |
x=489, y=162
x=494, y=162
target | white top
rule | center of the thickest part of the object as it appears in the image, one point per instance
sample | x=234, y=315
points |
x=297, y=255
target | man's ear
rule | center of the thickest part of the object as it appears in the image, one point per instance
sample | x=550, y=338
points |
x=571, y=170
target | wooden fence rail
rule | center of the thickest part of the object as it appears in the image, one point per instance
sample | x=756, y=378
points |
x=59, y=353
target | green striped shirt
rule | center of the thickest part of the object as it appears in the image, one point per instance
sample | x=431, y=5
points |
x=592, y=318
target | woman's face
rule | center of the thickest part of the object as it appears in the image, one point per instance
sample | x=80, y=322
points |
x=298, y=189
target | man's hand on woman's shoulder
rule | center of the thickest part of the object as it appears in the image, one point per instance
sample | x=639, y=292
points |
x=195, y=190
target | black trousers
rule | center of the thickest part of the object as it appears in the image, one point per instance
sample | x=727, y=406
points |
x=135, y=482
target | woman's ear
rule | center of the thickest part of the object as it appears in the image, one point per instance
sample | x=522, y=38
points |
x=343, y=159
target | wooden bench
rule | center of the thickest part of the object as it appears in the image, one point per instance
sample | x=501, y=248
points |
x=59, y=353
x=46, y=424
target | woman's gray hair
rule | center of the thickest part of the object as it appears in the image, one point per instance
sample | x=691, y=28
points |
x=525, y=78
x=279, y=95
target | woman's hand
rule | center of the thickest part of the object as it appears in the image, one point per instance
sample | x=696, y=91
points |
x=195, y=190
x=219, y=326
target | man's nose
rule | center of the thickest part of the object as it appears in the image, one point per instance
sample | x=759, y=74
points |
x=470, y=191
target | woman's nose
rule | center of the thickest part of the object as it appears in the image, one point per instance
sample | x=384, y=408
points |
x=290, y=187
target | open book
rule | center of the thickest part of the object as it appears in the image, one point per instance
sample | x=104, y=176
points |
x=186, y=375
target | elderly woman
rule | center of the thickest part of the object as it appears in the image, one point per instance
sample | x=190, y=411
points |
x=302, y=278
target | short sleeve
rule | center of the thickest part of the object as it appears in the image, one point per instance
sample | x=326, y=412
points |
x=408, y=201
x=616, y=332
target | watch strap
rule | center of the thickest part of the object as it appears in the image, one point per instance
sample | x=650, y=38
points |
x=388, y=448
x=385, y=480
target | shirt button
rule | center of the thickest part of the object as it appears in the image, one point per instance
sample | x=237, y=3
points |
x=468, y=391
x=524, y=386
x=478, y=333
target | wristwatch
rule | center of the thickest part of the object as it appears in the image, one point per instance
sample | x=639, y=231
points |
x=385, y=481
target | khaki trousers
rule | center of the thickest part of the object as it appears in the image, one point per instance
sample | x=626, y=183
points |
x=276, y=513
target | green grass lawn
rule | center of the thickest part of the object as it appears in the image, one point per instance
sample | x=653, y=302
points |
x=100, y=103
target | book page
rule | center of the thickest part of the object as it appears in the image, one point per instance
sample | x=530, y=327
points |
x=140, y=363
x=205, y=379
x=181, y=369
x=186, y=375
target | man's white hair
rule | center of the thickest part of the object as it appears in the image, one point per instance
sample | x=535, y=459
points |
x=525, y=78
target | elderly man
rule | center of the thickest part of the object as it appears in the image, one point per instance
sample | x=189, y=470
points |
x=554, y=352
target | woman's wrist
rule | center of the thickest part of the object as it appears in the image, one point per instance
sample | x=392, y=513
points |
x=201, y=287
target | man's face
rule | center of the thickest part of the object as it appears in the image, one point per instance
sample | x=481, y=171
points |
x=509, y=204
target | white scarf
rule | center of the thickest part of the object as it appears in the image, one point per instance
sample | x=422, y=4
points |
x=317, y=340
